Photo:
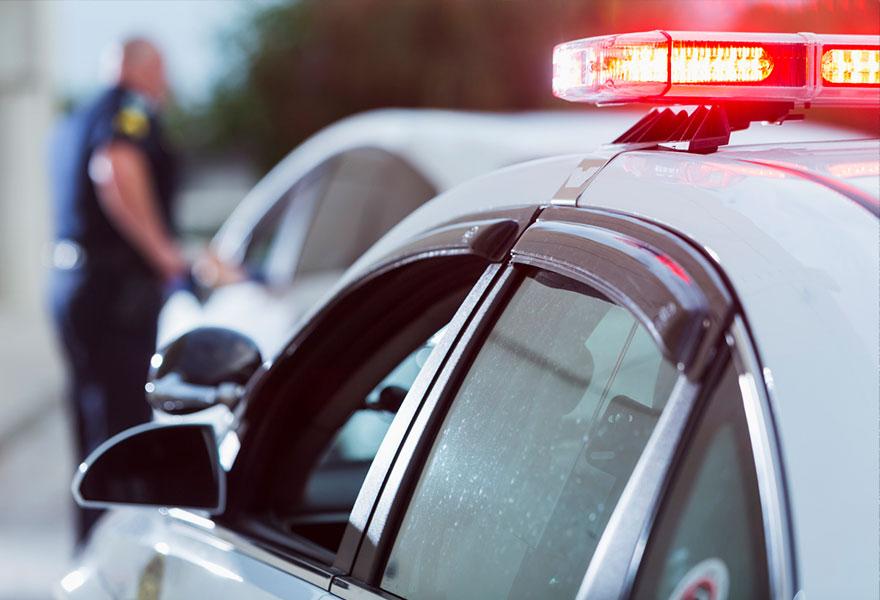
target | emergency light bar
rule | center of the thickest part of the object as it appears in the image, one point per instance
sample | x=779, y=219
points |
x=684, y=67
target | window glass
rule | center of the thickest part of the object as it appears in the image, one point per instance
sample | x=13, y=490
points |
x=369, y=192
x=708, y=540
x=271, y=251
x=338, y=394
x=355, y=444
x=535, y=451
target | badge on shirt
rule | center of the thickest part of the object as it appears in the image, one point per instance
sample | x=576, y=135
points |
x=132, y=121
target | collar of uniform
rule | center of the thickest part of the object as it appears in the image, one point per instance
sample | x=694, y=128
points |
x=136, y=100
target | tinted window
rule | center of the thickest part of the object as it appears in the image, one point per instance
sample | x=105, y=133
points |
x=368, y=192
x=271, y=251
x=708, y=535
x=335, y=480
x=535, y=451
x=338, y=393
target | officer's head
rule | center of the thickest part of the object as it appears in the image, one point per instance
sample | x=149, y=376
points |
x=137, y=64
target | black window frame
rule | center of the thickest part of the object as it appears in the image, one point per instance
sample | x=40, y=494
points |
x=562, y=241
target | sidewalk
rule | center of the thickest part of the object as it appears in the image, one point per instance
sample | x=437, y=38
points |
x=36, y=532
x=35, y=462
x=31, y=375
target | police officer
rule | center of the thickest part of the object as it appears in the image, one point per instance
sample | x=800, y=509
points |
x=113, y=183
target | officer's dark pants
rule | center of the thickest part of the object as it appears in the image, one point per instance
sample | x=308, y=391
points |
x=106, y=319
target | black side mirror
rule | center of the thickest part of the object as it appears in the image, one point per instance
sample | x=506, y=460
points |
x=202, y=368
x=154, y=465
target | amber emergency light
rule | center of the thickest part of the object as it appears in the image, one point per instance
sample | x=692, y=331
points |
x=687, y=67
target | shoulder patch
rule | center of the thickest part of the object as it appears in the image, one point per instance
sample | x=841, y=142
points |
x=132, y=122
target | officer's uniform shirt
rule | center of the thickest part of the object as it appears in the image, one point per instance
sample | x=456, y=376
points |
x=116, y=115
x=104, y=297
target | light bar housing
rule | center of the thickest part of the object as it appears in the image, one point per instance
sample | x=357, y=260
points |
x=682, y=67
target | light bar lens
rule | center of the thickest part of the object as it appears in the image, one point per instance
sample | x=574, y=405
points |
x=846, y=66
x=661, y=66
x=691, y=63
x=711, y=63
x=647, y=63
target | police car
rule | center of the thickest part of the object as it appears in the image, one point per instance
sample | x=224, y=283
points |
x=645, y=371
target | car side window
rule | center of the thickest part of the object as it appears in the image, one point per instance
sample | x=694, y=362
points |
x=335, y=479
x=338, y=395
x=368, y=193
x=708, y=539
x=535, y=450
x=270, y=252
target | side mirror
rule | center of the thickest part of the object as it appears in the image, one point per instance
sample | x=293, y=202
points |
x=154, y=465
x=201, y=368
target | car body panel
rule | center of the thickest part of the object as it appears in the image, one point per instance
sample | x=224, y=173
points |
x=144, y=553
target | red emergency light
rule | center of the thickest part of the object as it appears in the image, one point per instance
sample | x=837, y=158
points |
x=684, y=67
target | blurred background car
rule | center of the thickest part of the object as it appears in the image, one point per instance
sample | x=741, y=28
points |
x=333, y=196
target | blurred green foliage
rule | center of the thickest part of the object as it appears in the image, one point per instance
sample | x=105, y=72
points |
x=297, y=66
x=308, y=63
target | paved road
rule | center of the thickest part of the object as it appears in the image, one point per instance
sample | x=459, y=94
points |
x=35, y=530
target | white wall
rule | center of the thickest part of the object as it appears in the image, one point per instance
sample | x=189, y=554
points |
x=30, y=372
x=25, y=120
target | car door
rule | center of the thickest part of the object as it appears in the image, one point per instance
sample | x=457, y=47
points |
x=320, y=428
x=539, y=458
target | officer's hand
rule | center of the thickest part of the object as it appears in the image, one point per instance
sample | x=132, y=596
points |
x=212, y=272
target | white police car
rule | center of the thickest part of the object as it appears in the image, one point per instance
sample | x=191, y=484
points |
x=650, y=371
x=338, y=192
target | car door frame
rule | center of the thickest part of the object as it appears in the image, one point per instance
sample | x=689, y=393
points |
x=562, y=241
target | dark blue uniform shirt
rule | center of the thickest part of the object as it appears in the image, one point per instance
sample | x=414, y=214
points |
x=117, y=114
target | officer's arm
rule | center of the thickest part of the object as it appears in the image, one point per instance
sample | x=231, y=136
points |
x=125, y=189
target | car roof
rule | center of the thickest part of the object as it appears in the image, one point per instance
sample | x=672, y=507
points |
x=804, y=260
x=449, y=147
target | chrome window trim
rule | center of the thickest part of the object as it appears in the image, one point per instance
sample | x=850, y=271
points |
x=624, y=537
x=314, y=574
x=778, y=534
